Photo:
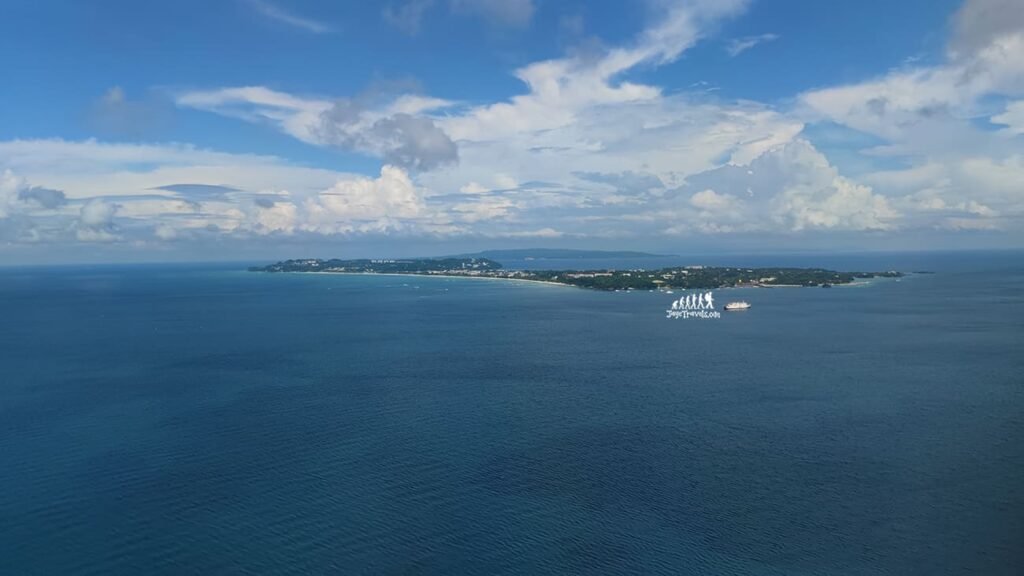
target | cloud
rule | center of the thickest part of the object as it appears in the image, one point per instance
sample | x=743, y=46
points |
x=96, y=222
x=559, y=88
x=939, y=194
x=198, y=190
x=28, y=213
x=84, y=169
x=603, y=144
x=352, y=205
x=97, y=214
x=115, y=114
x=561, y=91
x=412, y=142
x=516, y=13
x=711, y=201
x=586, y=149
x=958, y=175
x=274, y=12
x=165, y=232
x=1012, y=118
x=394, y=129
x=46, y=198
x=737, y=46
x=790, y=188
x=407, y=16
x=131, y=180
x=978, y=23
x=627, y=181
x=389, y=201
x=11, y=187
x=927, y=110
x=540, y=233
x=117, y=194
x=296, y=116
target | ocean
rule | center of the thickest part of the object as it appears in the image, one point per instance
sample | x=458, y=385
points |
x=200, y=419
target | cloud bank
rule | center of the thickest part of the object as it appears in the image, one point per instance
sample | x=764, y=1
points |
x=584, y=151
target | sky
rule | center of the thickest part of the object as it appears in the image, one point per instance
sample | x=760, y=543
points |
x=265, y=129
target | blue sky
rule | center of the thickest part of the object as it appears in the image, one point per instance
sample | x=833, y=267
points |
x=242, y=128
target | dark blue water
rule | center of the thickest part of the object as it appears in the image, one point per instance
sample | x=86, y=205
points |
x=176, y=420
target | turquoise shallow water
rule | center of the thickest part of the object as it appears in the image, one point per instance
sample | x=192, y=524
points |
x=198, y=419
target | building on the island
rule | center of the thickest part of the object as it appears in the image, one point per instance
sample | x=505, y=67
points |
x=588, y=274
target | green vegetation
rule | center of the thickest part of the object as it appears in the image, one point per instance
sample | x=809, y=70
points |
x=383, y=266
x=703, y=277
x=559, y=254
x=686, y=277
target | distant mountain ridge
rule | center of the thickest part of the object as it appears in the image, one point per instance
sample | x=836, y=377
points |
x=558, y=254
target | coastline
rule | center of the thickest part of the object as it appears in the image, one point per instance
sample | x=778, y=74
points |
x=414, y=275
x=604, y=279
x=856, y=283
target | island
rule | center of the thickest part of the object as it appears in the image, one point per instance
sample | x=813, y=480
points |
x=680, y=277
x=562, y=254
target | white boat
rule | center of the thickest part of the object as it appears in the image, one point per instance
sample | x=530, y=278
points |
x=741, y=305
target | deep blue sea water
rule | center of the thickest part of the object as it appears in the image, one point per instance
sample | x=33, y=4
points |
x=200, y=419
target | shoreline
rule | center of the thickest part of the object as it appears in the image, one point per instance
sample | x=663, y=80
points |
x=863, y=282
x=414, y=275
